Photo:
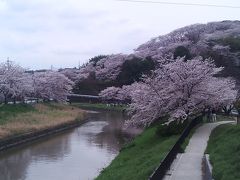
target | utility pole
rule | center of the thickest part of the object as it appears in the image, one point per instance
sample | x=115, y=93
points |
x=8, y=63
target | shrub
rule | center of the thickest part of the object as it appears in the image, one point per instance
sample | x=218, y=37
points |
x=182, y=51
x=173, y=128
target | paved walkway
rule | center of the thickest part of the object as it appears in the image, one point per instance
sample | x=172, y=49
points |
x=188, y=166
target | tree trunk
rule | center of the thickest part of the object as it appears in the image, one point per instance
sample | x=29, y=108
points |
x=208, y=116
x=238, y=119
x=14, y=100
x=5, y=99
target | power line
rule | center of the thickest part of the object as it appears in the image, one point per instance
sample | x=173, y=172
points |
x=180, y=4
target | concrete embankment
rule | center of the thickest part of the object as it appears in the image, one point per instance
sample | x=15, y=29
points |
x=18, y=140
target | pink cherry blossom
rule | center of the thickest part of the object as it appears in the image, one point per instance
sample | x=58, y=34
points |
x=178, y=90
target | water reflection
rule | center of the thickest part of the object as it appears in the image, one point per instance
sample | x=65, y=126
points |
x=75, y=155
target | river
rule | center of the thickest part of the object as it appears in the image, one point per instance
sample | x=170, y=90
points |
x=77, y=154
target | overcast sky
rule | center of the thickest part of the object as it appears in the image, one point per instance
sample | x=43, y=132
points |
x=63, y=33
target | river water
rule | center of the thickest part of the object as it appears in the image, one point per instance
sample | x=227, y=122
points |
x=77, y=154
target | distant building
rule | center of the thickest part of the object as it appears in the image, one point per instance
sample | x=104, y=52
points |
x=35, y=71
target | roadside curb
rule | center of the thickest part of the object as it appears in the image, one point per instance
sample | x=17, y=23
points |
x=207, y=167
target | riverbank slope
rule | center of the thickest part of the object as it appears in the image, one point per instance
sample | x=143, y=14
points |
x=138, y=159
x=22, y=118
x=223, y=148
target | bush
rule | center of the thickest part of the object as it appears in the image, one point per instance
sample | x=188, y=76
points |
x=95, y=59
x=182, y=51
x=173, y=128
x=233, y=42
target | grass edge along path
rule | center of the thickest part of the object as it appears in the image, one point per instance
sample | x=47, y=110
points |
x=138, y=159
x=223, y=148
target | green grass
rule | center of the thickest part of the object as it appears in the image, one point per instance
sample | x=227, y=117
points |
x=225, y=118
x=99, y=106
x=138, y=159
x=224, y=150
x=11, y=110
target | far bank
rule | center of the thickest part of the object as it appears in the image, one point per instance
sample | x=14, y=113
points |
x=24, y=122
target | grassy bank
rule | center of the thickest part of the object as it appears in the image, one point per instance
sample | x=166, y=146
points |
x=222, y=117
x=100, y=106
x=139, y=159
x=17, y=119
x=224, y=150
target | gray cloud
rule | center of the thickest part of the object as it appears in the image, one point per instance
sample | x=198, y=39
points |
x=41, y=33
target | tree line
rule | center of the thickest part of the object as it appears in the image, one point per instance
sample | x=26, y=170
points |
x=177, y=90
x=18, y=84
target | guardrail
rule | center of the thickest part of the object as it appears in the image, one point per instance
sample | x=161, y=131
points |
x=165, y=164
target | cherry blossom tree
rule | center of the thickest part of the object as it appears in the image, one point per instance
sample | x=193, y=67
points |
x=198, y=40
x=25, y=89
x=108, y=68
x=71, y=73
x=14, y=82
x=105, y=68
x=178, y=90
x=123, y=94
x=110, y=93
x=51, y=85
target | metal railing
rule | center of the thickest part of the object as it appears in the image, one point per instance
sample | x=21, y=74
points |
x=165, y=164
